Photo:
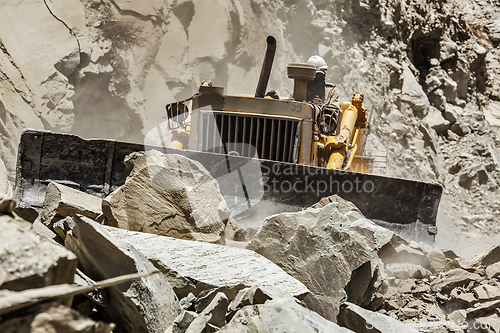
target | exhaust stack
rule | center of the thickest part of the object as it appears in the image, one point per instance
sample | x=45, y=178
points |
x=265, y=72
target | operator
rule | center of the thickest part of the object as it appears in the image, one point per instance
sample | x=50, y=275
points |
x=324, y=96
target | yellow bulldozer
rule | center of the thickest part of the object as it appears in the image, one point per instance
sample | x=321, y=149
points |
x=284, y=130
x=269, y=155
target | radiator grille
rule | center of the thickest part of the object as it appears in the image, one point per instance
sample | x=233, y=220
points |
x=274, y=138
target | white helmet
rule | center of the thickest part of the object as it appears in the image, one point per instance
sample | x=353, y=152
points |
x=319, y=62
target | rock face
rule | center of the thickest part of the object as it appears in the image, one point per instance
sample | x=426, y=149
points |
x=320, y=247
x=209, y=265
x=145, y=305
x=28, y=261
x=168, y=195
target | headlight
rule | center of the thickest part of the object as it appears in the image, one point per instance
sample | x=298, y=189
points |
x=327, y=120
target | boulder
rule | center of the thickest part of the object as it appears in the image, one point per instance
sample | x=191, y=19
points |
x=488, y=257
x=187, y=301
x=449, y=254
x=41, y=230
x=461, y=128
x=365, y=282
x=280, y=315
x=62, y=227
x=440, y=87
x=253, y=296
x=454, y=278
x=398, y=123
x=62, y=201
x=430, y=137
x=413, y=256
x=27, y=213
x=493, y=270
x=452, y=113
x=487, y=292
x=407, y=271
x=145, y=305
x=169, y=195
x=361, y=320
x=196, y=266
x=413, y=94
x=482, y=309
x=437, y=260
x=206, y=297
x=214, y=314
x=492, y=113
x=335, y=198
x=436, y=121
x=461, y=298
x=321, y=247
x=30, y=261
x=447, y=50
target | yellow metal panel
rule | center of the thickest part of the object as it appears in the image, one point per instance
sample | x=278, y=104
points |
x=362, y=164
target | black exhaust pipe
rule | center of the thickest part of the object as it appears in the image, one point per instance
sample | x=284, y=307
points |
x=265, y=72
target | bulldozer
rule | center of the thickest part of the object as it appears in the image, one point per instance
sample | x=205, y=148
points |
x=268, y=154
x=283, y=130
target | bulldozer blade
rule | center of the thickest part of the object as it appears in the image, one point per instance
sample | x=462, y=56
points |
x=96, y=166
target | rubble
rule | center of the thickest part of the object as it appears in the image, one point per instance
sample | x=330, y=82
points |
x=382, y=282
x=191, y=205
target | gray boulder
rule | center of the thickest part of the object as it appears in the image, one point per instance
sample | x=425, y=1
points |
x=62, y=201
x=182, y=322
x=413, y=94
x=488, y=257
x=447, y=50
x=457, y=277
x=321, y=247
x=280, y=315
x=30, y=261
x=436, y=121
x=214, y=314
x=169, y=195
x=144, y=305
x=196, y=266
x=253, y=296
x=360, y=320
x=407, y=271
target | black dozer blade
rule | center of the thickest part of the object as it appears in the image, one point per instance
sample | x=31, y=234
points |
x=96, y=166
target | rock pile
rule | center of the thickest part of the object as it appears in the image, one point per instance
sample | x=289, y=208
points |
x=324, y=269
